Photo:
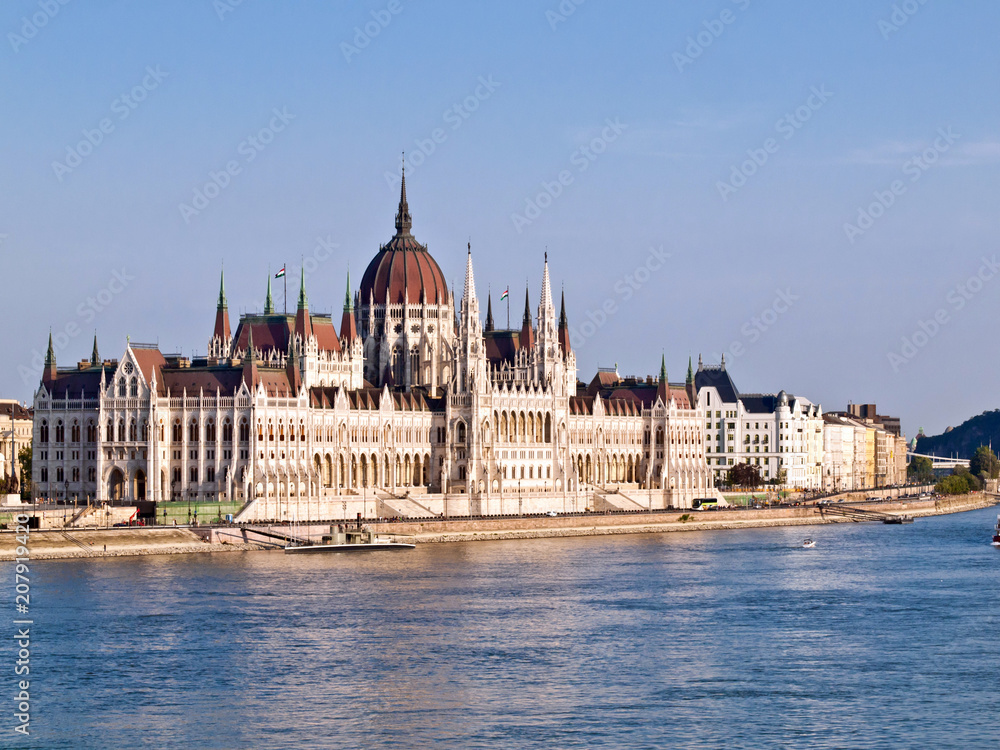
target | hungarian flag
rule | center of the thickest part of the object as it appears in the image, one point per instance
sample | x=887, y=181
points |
x=504, y=295
x=280, y=273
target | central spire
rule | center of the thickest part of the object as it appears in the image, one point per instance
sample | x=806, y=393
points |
x=403, y=221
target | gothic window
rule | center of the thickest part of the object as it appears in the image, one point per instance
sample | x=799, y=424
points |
x=60, y=432
x=193, y=432
x=133, y=387
x=175, y=433
x=75, y=432
x=193, y=474
x=121, y=388
x=210, y=431
x=460, y=433
x=414, y=361
x=121, y=431
x=244, y=431
x=227, y=432
x=398, y=365
x=145, y=431
x=76, y=474
x=43, y=433
x=91, y=432
x=110, y=432
x=132, y=431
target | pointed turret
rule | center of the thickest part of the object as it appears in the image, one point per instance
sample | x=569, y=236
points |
x=470, y=282
x=250, y=375
x=563, y=325
x=348, y=323
x=49, y=372
x=690, y=375
x=527, y=339
x=663, y=387
x=489, y=312
x=403, y=220
x=546, y=311
x=269, y=303
x=95, y=357
x=303, y=323
x=292, y=368
x=222, y=333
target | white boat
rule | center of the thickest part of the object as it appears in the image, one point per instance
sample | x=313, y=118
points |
x=996, y=534
x=346, y=540
x=808, y=543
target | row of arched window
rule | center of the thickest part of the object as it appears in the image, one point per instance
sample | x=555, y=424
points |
x=59, y=432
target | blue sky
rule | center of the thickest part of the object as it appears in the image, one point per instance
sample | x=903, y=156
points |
x=710, y=218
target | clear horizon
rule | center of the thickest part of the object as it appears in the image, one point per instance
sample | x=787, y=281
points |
x=802, y=189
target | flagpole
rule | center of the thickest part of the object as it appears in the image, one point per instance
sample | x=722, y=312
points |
x=508, y=307
x=284, y=275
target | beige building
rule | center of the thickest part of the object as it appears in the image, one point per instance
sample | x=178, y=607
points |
x=15, y=433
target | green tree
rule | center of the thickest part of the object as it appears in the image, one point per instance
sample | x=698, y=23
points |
x=24, y=458
x=744, y=475
x=971, y=480
x=955, y=484
x=984, y=463
x=921, y=469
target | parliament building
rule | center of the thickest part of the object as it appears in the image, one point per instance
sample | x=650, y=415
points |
x=414, y=407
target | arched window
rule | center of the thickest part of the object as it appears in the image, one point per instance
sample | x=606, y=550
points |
x=210, y=431
x=193, y=431
x=227, y=432
x=121, y=388
x=132, y=436
x=244, y=431
x=175, y=432
x=91, y=432
x=43, y=432
x=398, y=365
x=121, y=431
x=133, y=387
x=110, y=432
x=60, y=432
x=74, y=432
x=144, y=435
x=414, y=363
x=460, y=433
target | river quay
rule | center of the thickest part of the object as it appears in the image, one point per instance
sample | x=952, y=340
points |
x=75, y=543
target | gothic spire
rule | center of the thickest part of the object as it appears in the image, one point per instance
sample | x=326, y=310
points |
x=563, y=334
x=546, y=301
x=489, y=312
x=470, y=280
x=526, y=321
x=223, y=303
x=663, y=368
x=49, y=373
x=403, y=221
x=347, y=295
x=690, y=375
x=269, y=303
x=95, y=358
x=303, y=300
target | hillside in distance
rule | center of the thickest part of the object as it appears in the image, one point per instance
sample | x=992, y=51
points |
x=963, y=440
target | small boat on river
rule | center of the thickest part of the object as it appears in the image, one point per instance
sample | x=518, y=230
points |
x=996, y=534
x=808, y=543
x=341, y=539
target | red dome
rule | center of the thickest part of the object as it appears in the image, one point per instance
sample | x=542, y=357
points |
x=403, y=270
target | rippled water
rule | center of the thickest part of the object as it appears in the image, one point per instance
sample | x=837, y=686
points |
x=880, y=637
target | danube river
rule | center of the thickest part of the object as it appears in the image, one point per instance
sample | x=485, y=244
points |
x=879, y=637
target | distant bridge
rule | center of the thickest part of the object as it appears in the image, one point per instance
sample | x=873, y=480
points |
x=937, y=462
